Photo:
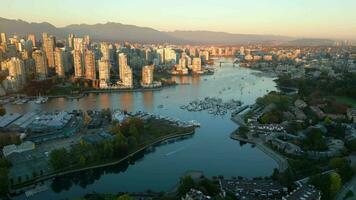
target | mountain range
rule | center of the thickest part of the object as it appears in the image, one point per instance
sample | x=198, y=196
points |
x=122, y=32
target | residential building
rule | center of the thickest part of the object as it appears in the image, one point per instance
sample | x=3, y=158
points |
x=41, y=64
x=90, y=70
x=78, y=64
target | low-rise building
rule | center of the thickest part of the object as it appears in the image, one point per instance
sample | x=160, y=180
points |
x=25, y=146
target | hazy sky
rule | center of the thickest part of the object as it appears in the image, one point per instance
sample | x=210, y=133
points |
x=302, y=18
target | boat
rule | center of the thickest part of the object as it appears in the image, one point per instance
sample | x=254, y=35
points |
x=160, y=106
x=41, y=100
x=194, y=123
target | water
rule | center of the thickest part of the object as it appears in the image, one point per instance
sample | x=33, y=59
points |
x=210, y=150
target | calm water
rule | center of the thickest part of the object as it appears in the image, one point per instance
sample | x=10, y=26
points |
x=210, y=150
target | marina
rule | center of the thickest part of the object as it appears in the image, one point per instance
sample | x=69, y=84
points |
x=213, y=105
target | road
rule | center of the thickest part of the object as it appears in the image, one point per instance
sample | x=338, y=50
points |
x=351, y=185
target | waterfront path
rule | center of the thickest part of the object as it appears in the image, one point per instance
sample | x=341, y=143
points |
x=57, y=174
x=281, y=161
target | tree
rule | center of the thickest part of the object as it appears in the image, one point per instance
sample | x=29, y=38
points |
x=125, y=197
x=133, y=131
x=132, y=142
x=59, y=159
x=186, y=183
x=82, y=161
x=4, y=181
x=343, y=167
x=2, y=111
x=335, y=183
x=315, y=140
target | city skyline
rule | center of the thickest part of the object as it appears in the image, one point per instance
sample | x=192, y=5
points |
x=303, y=18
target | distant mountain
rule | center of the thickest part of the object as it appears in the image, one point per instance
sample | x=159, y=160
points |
x=310, y=42
x=210, y=37
x=118, y=31
x=10, y=26
x=122, y=32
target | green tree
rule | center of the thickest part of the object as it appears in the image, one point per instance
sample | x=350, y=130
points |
x=82, y=161
x=59, y=159
x=335, y=183
x=343, y=167
x=125, y=197
x=133, y=131
x=4, y=181
x=2, y=111
x=186, y=183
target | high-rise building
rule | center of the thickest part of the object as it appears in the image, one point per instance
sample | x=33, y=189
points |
x=193, y=52
x=196, y=65
x=160, y=55
x=17, y=77
x=90, y=72
x=78, y=64
x=49, y=44
x=105, y=51
x=3, y=38
x=204, y=55
x=41, y=64
x=59, y=62
x=122, y=64
x=125, y=71
x=78, y=44
x=170, y=56
x=86, y=41
x=127, y=79
x=70, y=41
x=32, y=38
x=242, y=51
x=104, y=73
x=147, y=75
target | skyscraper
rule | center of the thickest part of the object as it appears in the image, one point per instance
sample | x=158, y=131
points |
x=86, y=41
x=32, y=38
x=147, y=75
x=3, y=38
x=17, y=77
x=127, y=80
x=196, y=65
x=125, y=71
x=105, y=51
x=59, y=62
x=90, y=72
x=78, y=44
x=104, y=73
x=204, y=55
x=41, y=64
x=49, y=44
x=78, y=64
x=70, y=41
x=122, y=64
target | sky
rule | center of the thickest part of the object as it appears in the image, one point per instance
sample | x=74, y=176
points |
x=297, y=18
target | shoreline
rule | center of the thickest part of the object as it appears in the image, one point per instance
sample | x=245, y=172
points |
x=280, y=160
x=93, y=91
x=63, y=173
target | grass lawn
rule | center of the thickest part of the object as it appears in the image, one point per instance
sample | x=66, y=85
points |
x=345, y=100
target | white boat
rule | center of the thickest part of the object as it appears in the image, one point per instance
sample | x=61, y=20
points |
x=194, y=123
x=41, y=100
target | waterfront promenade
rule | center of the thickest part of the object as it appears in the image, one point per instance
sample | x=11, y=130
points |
x=66, y=172
x=281, y=161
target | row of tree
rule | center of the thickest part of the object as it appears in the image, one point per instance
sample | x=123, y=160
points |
x=126, y=137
